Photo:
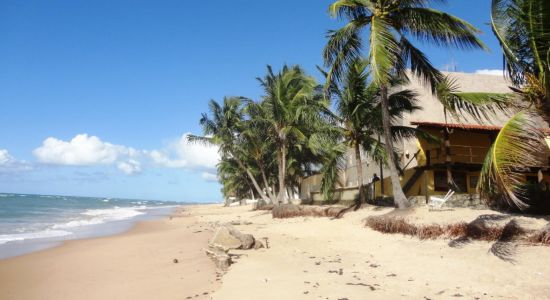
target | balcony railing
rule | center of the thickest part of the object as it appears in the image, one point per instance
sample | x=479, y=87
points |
x=459, y=153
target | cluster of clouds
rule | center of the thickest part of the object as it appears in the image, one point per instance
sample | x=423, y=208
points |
x=89, y=150
x=85, y=150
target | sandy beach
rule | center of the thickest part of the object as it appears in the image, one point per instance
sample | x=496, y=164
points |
x=307, y=258
x=138, y=264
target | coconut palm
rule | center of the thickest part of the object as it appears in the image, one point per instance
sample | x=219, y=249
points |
x=291, y=105
x=223, y=128
x=234, y=182
x=523, y=30
x=259, y=149
x=391, y=24
x=359, y=117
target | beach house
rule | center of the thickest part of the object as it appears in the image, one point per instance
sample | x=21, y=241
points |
x=463, y=146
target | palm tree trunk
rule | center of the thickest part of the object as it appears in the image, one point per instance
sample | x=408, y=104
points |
x=359, y=166
x=448, y=159
x=264, y=178
x=254, y=182
x=282, y=175
x=399, y=197
x=382, y=191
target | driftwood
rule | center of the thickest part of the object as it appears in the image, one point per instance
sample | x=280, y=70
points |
x=292, y=211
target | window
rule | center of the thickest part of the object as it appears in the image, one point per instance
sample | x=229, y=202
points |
x=473, y=181
x=440, y=181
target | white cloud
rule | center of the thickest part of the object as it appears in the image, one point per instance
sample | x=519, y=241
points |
x=8, y=164
x=82, y=150
x=209, y=176
x=129, y=167
x=181, y=154
x=495, y=72
x=5, y=157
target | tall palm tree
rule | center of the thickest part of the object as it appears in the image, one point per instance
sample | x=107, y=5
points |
x=292, y=104
x=523, y=30
x=224, y=128
x=391, y=24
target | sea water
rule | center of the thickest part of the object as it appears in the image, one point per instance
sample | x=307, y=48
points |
x=34, y=222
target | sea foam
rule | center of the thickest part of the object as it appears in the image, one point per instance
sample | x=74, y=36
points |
x=99, y=216
x=4, y=238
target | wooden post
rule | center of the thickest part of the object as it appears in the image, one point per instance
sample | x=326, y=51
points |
x=428, y=158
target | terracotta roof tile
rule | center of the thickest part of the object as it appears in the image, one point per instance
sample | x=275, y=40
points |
x=458, y=126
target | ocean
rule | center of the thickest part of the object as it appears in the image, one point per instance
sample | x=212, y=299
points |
x=33, y=222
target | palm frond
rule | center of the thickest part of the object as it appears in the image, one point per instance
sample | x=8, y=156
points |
x=518, y=145
x=438, y=28
x=420, y=66
x=480, y=106
x=343, y=47
x=383, y=51
x=202, y=140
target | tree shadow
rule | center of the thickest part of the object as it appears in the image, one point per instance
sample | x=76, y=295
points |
x=483, y=228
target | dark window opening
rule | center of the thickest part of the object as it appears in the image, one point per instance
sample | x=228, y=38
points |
x=459, y=178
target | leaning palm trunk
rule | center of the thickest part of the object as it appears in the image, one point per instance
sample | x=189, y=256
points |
x=399, y=197
x=253, y=180
x=266, y=185
x=359, y=164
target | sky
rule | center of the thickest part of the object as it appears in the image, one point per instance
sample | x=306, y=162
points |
x=96, y=97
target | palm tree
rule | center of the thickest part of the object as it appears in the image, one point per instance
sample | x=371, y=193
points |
x=523, y=30
x=291, y=104
x=234, y=181
x=224, y=128
x=391, y=23
x=359, y=116
x=259, y=149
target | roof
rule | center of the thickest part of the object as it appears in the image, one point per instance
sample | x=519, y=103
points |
x=469, y=127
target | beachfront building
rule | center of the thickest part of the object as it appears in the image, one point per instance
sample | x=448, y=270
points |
x=425, y=165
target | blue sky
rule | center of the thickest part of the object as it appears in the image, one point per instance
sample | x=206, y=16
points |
x=96, y=95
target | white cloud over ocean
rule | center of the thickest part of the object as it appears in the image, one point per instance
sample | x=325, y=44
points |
x=129, y=167
x=90, y=150
x=86, y=150
x=5, y=157
x=9, y=164
x=82, y=150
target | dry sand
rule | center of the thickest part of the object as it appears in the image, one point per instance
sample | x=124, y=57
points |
x=319, y=258
x=308, y=258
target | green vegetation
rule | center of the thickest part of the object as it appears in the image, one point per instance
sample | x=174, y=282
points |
x=358, y=100
x=275, y=141
x=268, y=146
x=523, y=30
